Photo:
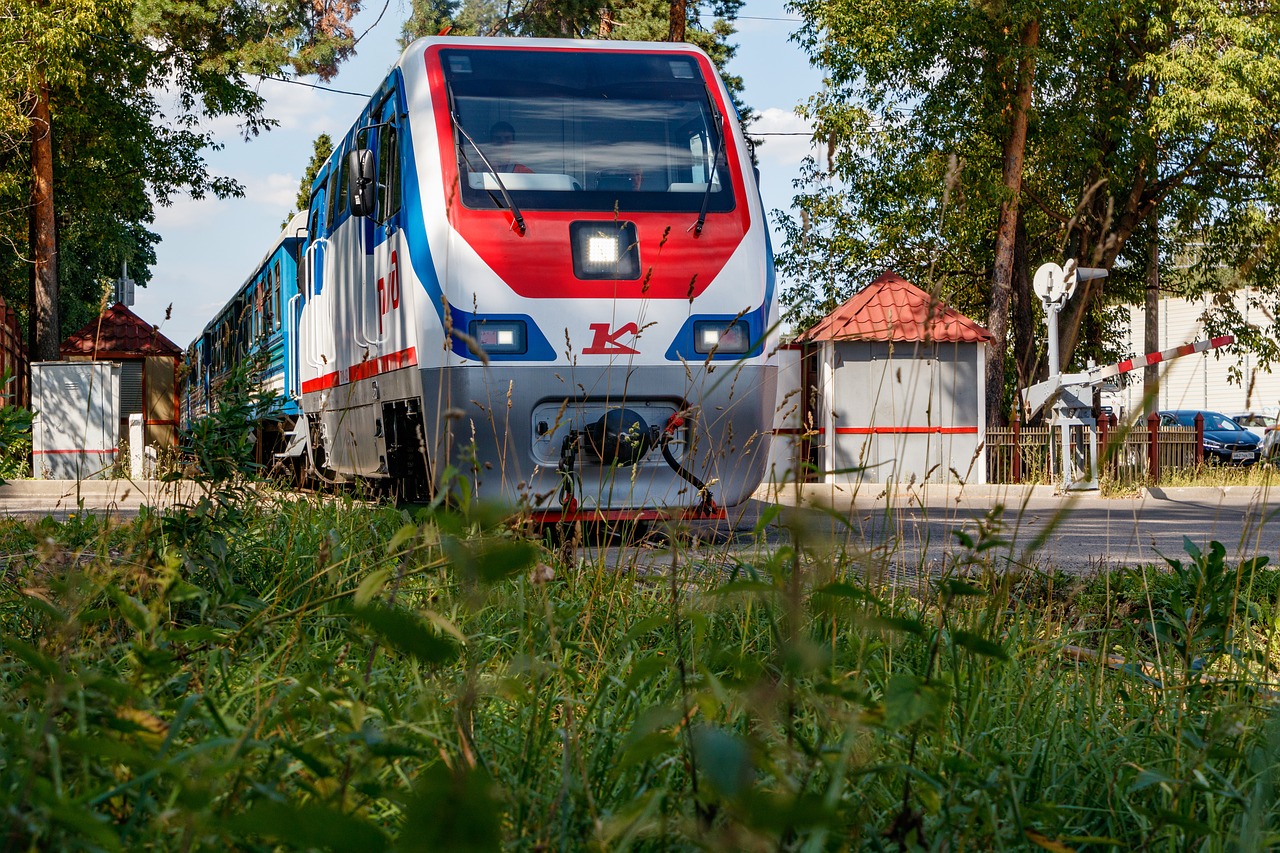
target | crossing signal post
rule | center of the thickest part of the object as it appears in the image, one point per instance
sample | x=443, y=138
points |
x=1073, y=429
x=1068, y=398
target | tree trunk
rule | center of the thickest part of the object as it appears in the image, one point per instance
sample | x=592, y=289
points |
x=44, y=335
x=679, y=19
x=1012, y=161
x=1026, y=350
x=1151, y=320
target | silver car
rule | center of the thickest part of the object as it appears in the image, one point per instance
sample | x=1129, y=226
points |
x=1264, y=426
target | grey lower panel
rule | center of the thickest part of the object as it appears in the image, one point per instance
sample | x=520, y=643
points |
x=502, y=429
x=349, y=418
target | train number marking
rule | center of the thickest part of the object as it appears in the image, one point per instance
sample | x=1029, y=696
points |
x=388, y=292
x=605, y=342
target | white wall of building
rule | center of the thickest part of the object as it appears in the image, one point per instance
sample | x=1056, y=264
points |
x=1200, y=381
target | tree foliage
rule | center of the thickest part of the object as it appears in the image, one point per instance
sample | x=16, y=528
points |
x=321, y=149
x=1139, y=109
x=631, y=20
x=126, y=84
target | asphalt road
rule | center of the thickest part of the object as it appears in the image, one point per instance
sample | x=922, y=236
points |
x=908, y=534
x=903, y=532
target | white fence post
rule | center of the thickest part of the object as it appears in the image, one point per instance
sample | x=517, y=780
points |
x=135, y=446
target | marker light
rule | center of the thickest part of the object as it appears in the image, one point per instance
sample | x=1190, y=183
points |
x=721, y=336
x=605, y=250
x=500, y=336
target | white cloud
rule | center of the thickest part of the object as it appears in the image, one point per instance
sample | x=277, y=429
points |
x=782, y=152
x=184, y=212
x=306, y=110
x=275, y=191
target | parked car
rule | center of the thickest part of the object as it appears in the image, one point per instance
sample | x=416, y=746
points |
x=1225, y=441
x=1262, y=425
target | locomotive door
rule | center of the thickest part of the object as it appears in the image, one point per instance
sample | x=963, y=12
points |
x=310, y=285
x=383, y=310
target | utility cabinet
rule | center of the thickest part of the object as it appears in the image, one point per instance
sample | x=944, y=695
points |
x=77, y=415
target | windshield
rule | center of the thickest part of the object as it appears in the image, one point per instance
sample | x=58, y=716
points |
x=585, y=130
x=1212, y=421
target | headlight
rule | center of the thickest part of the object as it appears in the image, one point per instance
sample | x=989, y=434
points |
x=720, y=337
x=500, y=336
x=1210, y=444
x=605, y=250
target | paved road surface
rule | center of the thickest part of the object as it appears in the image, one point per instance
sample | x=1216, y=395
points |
x=1078, y=532
x=903, y=531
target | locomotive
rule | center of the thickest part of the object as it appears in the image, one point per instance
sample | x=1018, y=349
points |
x=537, y=271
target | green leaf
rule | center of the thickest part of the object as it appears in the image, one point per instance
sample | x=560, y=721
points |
x=181, y=590
x=899, y=623
x=646, y=748
x=490, y=561
x=309, y=825
x=1147, y=778
x=195, y=634
x=744, y=586
x=133, y=610
x=979, y=645
x=407, y=633
x=315, y=765
x=455, y=810
x=767, y=515
x=723, y=760
x=955, y=586
x=401, y=536
x=644, y=626
x=909, y=699
x=644, y=670
x=372, y=584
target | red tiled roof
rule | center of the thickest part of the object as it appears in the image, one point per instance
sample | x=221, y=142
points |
x=893, y=309
x=118, y=331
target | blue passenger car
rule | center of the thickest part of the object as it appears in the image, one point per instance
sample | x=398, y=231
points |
x=255, y=321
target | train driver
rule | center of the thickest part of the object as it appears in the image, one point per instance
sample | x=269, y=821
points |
x=501, y=149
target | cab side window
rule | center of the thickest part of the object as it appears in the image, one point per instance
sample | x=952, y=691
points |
x=388, y=173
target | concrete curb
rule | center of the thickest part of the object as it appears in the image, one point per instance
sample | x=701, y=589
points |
x=67, y=494
x=938, y=494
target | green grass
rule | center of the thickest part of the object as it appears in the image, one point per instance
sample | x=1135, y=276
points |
x=328, y=674
x=258, y=673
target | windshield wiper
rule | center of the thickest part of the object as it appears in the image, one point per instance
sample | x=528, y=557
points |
x=715, y=163
x=506, y=196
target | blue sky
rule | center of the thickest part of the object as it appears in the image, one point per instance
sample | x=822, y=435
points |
x=209, y=246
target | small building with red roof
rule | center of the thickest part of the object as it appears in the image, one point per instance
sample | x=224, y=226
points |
x=898, y=380
x=148, y=369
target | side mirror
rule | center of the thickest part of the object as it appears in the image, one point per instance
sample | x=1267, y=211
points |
x=363, y=181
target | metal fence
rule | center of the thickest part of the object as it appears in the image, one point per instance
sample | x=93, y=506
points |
x=13, y=359
x=1024, y=454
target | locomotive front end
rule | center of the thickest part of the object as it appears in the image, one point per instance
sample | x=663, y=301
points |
x=606, y=284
